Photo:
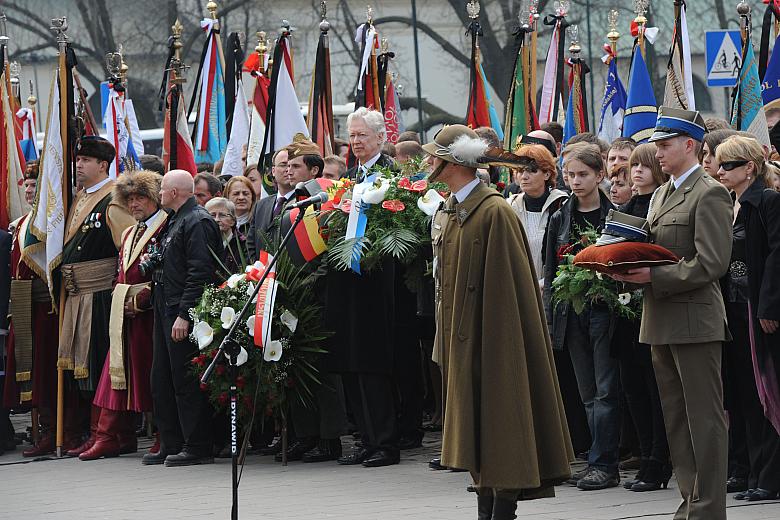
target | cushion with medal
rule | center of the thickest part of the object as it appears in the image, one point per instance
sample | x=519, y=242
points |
x=622, y=256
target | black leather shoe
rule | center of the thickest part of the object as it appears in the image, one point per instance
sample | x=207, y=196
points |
x=736, y=484
x=186, y=458
x=153, y=459
x=326, y=450
x=762, y=494
x=296, y=450
x=382, y=458
x=356, y=457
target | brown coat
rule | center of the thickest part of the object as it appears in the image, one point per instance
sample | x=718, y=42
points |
x=504, y=419
x=683, y=303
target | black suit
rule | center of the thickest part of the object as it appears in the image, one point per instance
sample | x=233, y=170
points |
x=361, y=312
x=263, y=227
x=384, y=160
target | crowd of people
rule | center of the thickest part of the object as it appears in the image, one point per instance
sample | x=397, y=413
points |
x=690, y=388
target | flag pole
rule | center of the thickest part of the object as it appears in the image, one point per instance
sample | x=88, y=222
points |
x=59, y=26
x=534, y=20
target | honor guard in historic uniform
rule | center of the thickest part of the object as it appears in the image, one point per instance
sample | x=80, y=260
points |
x=33, y=333
x=684, y=318
x=124, y=388
x=93, y=234
x=504, y=420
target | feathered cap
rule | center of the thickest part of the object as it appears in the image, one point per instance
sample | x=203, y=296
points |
x=142, y=182
x=458, y=144
x=301, y=146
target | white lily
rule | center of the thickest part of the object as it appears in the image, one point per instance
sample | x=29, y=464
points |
x=203, y=333
x=227, y=316
x=273, y=351
x=624, y=298
x=232, y=282
x=430, y=202
x=289, y=320
x=250, y=323
x=375, y=193
x=242, y=357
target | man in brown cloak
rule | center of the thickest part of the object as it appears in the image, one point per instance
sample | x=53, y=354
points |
x=504, y=419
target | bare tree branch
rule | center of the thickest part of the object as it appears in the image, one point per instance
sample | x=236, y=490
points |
x=431, y=33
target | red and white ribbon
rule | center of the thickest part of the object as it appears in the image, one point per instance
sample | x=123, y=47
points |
x=264, y=308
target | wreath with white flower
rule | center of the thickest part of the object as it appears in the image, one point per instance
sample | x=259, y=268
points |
x=285, y=368
x=398, y=209
x=579, y=286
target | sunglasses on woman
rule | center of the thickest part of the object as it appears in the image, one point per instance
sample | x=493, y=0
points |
x=730, y=165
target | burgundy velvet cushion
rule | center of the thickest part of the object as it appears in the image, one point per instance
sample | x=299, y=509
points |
x=620, y=257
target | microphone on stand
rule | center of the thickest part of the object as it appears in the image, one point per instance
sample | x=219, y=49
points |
x=317, y=198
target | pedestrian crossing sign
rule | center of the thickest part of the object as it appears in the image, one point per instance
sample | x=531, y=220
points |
x=724, y=57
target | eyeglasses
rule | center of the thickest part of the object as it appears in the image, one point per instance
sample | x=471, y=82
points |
x=730, y=165
x=218, y=215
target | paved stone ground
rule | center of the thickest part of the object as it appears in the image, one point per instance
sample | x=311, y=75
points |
x=121, y=488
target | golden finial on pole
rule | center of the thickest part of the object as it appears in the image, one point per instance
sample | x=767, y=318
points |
x=640, y=8
x=370, y=15
x=261, y=48
x=613, y=35
x=211, y=7
x=31, y=99
x=384, y=46
x=177, y=65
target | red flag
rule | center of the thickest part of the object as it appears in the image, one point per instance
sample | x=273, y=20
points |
x=392, y=112
x=477, y=111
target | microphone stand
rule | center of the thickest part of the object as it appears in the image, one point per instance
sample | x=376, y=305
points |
x=229, y=348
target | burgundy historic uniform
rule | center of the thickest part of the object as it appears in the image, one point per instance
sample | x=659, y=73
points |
x=125, y=382
x=32, y=344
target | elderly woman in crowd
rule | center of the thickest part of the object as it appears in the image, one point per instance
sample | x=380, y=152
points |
x=538, y=200
x=240, y=192
x=224, y=212
x=752, y=294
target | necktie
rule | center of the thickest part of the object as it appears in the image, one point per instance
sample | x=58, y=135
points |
x=138, y=233
x=279, y=205
x=449, y=204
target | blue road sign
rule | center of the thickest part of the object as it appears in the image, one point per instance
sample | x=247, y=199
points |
x=724, y=57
